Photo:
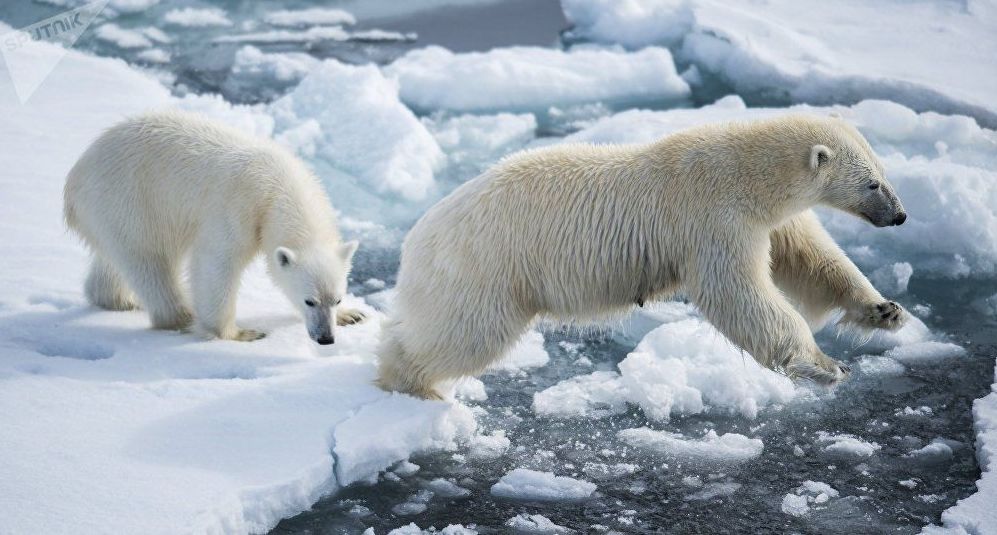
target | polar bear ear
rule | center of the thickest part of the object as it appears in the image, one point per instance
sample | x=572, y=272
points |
x=820, y=155
x=284, y=256
x=347, y=249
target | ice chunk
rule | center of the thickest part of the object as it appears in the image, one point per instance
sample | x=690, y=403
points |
x=529, y=352
x=530, y=485
x=597, y=394
x=309, y=17
x=771, y=53
x=875, y=365
x=682, y=367
x=730, y=447
x=121, y=37
x=892, y=280
x=481, y=139
x=197, y=18
x=365, y=131
x=936, y=452
x=528, y=524
x=154, y=55
x=925, y=352
x=310, y=35
x=533, y=79
x=795, y=505
x=445, y=488
x=846, y=446
x=252, y=68
x=489, y=446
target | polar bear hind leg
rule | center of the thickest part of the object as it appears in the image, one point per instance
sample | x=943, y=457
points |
x=105, y=288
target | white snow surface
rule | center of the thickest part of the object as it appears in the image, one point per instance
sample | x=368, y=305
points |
x=924, y=54
x=533, y=79
x=126, y=430
x=531, y=485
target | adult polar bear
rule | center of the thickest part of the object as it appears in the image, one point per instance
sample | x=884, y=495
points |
x=154, y=188
x=576, y=232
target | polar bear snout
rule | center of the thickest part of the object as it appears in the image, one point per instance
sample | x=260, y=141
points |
x=326, y=340
x=900, y=218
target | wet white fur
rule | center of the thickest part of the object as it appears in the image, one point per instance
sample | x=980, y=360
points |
x=580, y=232
x=156, y=188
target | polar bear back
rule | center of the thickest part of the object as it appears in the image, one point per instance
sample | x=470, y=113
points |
x=156, y=178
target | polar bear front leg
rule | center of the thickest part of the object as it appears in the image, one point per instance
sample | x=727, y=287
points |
x=215, y=271
x=810, y=267
x=737, y=295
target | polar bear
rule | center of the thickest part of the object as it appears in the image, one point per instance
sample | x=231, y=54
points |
x=578, y=232
x=154, y=188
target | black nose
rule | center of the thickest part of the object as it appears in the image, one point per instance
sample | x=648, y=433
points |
x=326, y=340
x=901, y=217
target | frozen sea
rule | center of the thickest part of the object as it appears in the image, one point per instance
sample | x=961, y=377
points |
x=650, y=423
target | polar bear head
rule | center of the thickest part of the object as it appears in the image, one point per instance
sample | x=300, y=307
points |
x=852, y=178
x=314, y=280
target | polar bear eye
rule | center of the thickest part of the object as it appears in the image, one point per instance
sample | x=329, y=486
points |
x=874, y=185
x=310, y=302
x=336, y=304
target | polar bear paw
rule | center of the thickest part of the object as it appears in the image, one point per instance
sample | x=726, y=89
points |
x=824, y=371
x=349, y=316
x=248, y=335
x=885, y=315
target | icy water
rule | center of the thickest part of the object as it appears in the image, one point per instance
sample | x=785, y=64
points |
x=669, y=495
x=637, y=492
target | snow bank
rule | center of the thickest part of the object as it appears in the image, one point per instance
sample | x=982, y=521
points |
x=479, y=140
x=925, y=352
x=363, y=130
x=530, y=485
x=128, y=430
x=533, y=79
x=925, y=55
x=528, y=352
x=729, y=447
x=943, y=168
x=683, y=367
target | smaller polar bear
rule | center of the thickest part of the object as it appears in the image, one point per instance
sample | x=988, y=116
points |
x=579, y=232
x=154, y=188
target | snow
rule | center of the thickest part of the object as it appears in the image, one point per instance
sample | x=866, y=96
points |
x=309, y=17
x=364, y=131
x=132, y=430
x=729, y=447
x=846, y=446
x=190, y=17
x=252, y=67
x=531, y=485
x=923, y=54
x=533, y=79
x=681, y=367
